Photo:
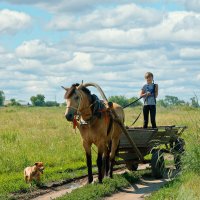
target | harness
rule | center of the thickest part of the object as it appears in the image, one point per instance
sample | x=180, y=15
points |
x=98, y=108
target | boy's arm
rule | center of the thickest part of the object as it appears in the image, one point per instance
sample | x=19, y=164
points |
x=143, y=94
x=156, y=90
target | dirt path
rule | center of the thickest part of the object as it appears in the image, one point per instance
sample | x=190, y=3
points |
x=60, y=191
x=139, y=190
x=68, y=188
x=144, y=187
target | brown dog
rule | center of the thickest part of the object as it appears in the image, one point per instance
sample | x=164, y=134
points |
x=34, y=172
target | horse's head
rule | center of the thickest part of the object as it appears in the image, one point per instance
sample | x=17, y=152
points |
x=76, y=99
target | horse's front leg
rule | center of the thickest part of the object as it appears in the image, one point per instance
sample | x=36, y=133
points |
x=87, y=148
x=100, y=162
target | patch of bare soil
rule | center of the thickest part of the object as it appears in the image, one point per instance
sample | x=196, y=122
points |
x=144, y=187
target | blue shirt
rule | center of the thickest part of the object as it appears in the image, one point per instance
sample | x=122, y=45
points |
x=150, y=99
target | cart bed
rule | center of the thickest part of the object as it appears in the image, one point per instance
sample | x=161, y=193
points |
x=145, y=140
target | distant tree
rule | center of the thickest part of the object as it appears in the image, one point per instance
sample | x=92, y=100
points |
x=121, y=100
x=170, y=101
x=161, y=102
x=64, y=104
x=14, y=103
x=51, y=103
x=195, y=102
x=38, y=100
x=173, y=101
x=132, y=99
x=2, y=98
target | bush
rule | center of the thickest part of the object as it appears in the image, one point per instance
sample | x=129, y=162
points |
x=51, y=103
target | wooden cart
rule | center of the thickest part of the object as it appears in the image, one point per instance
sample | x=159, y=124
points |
x=164, y=139
x=136, y=143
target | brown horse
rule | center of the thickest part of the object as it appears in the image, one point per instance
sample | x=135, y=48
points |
x=96, y=126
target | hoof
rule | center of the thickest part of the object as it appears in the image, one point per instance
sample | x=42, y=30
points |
x=90, y=181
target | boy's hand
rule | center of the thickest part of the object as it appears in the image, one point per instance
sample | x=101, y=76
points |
x=148, y=94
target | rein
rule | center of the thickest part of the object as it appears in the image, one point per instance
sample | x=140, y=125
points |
x=140, y=111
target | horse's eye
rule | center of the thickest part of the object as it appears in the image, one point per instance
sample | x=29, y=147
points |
x=76, y=98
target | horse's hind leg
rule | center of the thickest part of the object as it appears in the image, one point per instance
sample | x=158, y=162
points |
x=100, y=167
x=114, y=146
x=89, y=161
x=107, y=158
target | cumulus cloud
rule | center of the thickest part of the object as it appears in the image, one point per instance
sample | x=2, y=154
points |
x=13, y=21
x=80, y=61
x=68, y=5
x=113, y=46
x=171, y=29
x=193, y=5
x=190, y=53
x=198, y=77
x=123, y=16
x=35, y=49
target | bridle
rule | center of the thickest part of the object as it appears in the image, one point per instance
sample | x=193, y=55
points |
x=77, y=110
x=78, y=113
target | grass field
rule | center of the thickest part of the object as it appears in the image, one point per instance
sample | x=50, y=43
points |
x=35, y=134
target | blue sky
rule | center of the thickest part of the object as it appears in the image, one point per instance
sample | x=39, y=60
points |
x=110, y=42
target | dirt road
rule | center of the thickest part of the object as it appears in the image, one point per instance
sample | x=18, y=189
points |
x=144, y=187
x=139, y=190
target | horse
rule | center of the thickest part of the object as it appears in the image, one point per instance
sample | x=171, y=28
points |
x=96, y=125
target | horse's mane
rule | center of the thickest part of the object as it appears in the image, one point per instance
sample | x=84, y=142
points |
x=72, y=89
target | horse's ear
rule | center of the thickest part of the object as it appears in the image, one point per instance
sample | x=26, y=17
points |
x=65, y=88
x=80, y=86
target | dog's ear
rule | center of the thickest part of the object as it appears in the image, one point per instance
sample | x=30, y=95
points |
x=36, y=163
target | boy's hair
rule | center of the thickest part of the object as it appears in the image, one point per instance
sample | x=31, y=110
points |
x=148, y=74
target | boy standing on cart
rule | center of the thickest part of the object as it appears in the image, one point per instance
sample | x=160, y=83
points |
x=149, y=92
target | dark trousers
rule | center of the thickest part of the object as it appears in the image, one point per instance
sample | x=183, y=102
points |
x=152, y=110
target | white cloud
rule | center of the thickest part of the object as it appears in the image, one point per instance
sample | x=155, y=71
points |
x=190, y=53
x=113, y=46
x=171, y=29
x=35, y=49
x=123, y=16
x=81, y=62
x=68, y=5
x=193, y=5
x=114, y=38
x=13, y=21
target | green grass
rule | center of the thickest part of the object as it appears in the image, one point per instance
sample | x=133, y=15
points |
x=28, y=135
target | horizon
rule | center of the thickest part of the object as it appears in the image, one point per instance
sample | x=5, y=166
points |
x=44, y=45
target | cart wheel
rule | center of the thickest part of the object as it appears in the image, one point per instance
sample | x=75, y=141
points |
x=177, y=161
x=179, y=150
x=179, y=145
x=131, y=166
x=157, y=164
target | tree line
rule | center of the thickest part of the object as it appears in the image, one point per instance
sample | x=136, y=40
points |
x=166, y=102
x=39, y=100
